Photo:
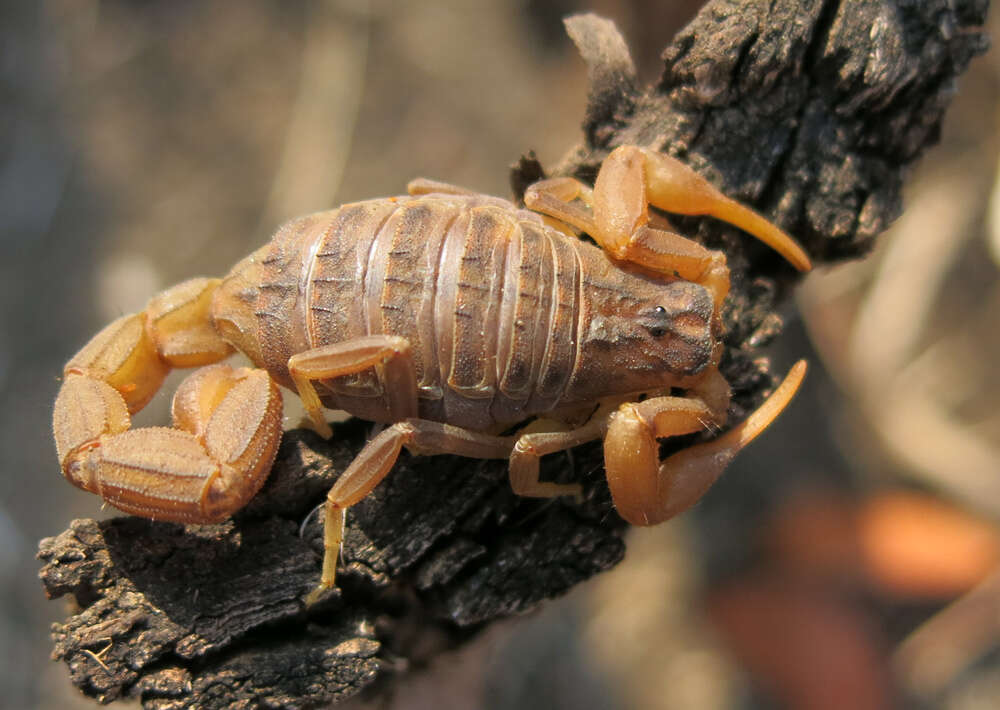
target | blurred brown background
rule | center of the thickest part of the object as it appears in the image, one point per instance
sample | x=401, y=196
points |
x=142, y=143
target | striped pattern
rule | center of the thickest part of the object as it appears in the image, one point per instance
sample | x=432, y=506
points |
x=487, y=295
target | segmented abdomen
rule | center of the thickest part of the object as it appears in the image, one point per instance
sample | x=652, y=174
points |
x=486, y=294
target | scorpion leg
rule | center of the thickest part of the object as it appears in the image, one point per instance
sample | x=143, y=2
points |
x=648, y=491
x=227, y=422
x=377, y=458
x=391, y=357
x=557, y=197
x=531, y=446
x=556, y=200
x=426, y=186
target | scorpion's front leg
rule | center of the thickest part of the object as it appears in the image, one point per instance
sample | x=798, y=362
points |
x=648, y=491
x=377, y=458
x=227, y=421
x=532, y=445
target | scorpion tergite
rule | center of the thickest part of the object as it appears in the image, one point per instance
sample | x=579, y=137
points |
x=451, y=317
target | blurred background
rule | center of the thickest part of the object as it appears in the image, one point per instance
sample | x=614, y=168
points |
x=848, y=559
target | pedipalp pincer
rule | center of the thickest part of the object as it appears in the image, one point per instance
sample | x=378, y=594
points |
x=451, y=317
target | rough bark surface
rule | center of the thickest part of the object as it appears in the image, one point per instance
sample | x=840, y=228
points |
x=810, y=111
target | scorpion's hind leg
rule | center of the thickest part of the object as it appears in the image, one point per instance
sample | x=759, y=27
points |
x=390, y=356
x=377, y=458
x=648, y=491
x=426, y=186
x=227, y=422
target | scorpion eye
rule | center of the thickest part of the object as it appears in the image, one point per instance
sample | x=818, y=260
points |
x=657, y=322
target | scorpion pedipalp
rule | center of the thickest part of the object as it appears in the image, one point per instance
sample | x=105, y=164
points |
x=648, y=491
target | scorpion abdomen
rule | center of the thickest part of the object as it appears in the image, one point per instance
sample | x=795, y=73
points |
x=487, y=295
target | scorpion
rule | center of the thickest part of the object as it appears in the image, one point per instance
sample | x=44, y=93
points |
x=450, y=317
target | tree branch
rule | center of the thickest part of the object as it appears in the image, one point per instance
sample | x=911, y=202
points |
x=811, y=111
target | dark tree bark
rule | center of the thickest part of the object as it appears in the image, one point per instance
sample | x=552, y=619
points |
x=810, y=111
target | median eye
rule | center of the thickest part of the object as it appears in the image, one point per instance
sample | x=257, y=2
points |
x=657, y=322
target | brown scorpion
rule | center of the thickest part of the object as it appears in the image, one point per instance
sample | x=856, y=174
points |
x=451, y=317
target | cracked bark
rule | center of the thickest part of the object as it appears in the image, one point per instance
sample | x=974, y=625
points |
x=810, y=111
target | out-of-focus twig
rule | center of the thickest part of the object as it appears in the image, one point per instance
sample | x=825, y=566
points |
x=318, y=139
x=935, y=654
x=909, y=371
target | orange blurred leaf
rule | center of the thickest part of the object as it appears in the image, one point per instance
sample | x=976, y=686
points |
x=915, y=545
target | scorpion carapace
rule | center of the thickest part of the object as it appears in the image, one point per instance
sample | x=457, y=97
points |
x=451, y=317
